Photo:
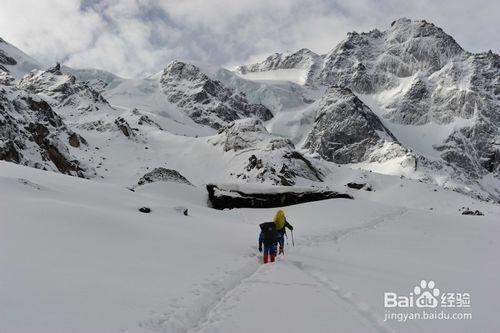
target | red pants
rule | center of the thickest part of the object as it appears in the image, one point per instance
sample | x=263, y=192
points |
x=269, y=257
x=269, y=253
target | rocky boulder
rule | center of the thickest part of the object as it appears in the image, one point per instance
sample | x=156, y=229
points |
x=230, y=196
x=124, y=127
x=163, y=175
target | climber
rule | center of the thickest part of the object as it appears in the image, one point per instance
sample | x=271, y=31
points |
x=269, y=237
x=281, y=222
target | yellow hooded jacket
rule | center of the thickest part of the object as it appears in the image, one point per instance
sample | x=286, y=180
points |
x=279, y=219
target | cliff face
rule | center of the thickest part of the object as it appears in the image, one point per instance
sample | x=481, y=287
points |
x=206, y=101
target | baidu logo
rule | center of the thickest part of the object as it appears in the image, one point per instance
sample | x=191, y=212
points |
x=426, y=295
x=427, y=302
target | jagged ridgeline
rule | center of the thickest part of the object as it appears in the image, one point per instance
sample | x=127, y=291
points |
x=407, y=100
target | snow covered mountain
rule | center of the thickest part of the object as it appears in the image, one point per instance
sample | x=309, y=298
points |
x=64, y=91
x=301, y=67
x=415, y=74
x=440, y=102
x=33, y=134
x=404, y=122
x=347, y=131
x=15, y=61
x=205, y=100
x=262, y=157
x=404, y=101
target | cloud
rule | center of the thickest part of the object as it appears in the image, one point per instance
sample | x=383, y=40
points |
x=135, y=37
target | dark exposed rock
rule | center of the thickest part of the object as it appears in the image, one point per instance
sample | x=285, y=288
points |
x=144, y=119
x=347, y=131
x=206, y=101
x=253, y=162
x=359, y=186
x=5, y=78
x=262, y=157
x=124, y=127
x=163, y=175
x=6, y=60
x=470, y=212
x=413, y=107
x=50, y=151
x=65, y=90
x=61, y=161
x=145, y=210
x=32, y=134
x=182, y=210
x=236, y=196
x=9, y=153
x=76, y=140
x=56, y=69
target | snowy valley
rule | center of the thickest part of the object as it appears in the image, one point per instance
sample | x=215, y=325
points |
x=405, y=116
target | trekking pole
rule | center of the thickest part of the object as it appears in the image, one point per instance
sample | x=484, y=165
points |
x=293, y=243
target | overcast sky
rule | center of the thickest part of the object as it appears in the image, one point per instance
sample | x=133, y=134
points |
x=135, y=37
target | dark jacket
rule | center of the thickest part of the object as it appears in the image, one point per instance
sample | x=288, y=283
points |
x=268, y=234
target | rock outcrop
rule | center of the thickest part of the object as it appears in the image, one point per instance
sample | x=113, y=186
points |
x=124, y=127
x=206, y=101
x=64, y=91
x=32, y=134
x=347, y=131
x=414, y=74
x=163, y=175
x=303, y=59
x=230, y=196
x=260, y=157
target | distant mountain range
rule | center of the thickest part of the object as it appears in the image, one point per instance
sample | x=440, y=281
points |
x=407, y=101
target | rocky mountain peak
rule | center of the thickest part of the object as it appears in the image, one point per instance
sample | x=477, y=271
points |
x=422, y=39
x=302, y=58
x=178, y=70
x=64, y=89
x=388, y=100
x=347, y=131
x=374, y=61
x=33, y=134
x=207, y=101
x=56, y=69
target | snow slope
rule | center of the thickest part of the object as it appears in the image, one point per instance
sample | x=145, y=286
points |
x=15, y=61
x=76, y=255
x=295, y=75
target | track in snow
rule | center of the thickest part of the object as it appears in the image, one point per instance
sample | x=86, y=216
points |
x=222, y=295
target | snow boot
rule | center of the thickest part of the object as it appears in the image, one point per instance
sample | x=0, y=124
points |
x=266, y=258
x=273, y=256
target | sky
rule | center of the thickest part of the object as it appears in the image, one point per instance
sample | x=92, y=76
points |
x=133, y=38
